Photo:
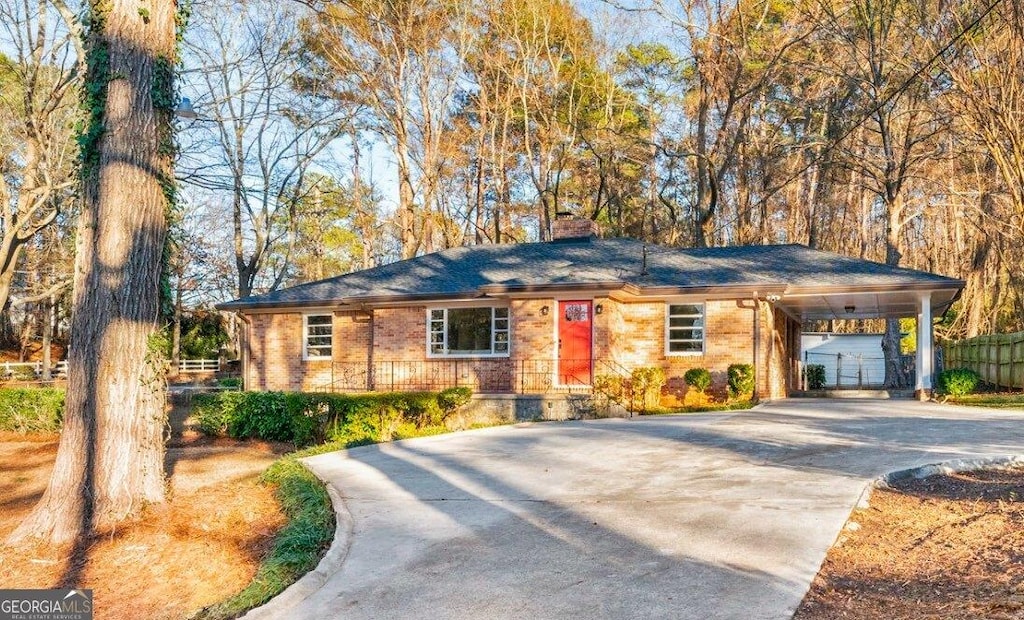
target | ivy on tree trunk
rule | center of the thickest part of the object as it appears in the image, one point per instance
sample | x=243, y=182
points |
x=110, y=460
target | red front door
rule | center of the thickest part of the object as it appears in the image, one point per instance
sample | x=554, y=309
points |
x=574, y=342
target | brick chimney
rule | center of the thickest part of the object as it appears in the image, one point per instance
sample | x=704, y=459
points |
x=568, y=227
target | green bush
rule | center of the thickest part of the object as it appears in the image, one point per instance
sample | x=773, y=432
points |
x=451, y=399
x=741, y=380
x=647, y=383
x=230, y=382
x=31, y=410
x=698, y=378
x=305, y=418
x=213, y=412
x=815, y=376
x=958, y=381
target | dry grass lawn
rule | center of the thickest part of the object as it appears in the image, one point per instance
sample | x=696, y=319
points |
x=201, y=546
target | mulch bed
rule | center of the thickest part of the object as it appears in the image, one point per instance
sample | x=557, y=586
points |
x=946, y=546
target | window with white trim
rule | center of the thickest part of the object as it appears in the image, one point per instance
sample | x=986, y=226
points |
x=468, y=331
x=317, y=336
x=684, y=329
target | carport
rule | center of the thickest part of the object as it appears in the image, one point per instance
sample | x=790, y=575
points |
x=912, y=298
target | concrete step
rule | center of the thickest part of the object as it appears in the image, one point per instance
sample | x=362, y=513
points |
x=853, y=393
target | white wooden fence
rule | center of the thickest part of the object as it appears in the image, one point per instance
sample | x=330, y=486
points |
x=30, y=371
x=33, y=371
x=198, y=365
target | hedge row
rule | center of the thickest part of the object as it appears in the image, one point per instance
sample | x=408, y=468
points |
x=31, y=410
x=306, y=418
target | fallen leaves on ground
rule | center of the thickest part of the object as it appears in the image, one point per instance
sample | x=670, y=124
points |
x=202, y=545
x=946, y=546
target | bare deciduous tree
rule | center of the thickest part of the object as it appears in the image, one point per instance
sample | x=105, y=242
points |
x=38, y=111
x=257, y=136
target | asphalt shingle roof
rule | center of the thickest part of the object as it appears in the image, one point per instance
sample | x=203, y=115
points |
x=463, y=271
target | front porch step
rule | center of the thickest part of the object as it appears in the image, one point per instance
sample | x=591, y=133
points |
x=878, y=393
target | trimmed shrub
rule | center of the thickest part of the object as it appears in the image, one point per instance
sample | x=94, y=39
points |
x=958, y=381
x=213, y=412
x=815, y=376
x=741, y=380
x=698, y=378
x=31, y=410
x=647, y=383
x=305, y=418
x=451, y=399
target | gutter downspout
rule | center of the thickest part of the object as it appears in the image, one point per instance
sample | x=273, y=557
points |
x=244, y=346
x=757, y=348
x=371, y=381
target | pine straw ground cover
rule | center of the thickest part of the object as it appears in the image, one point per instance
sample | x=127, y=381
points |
x=944, y=547
x=205, y=543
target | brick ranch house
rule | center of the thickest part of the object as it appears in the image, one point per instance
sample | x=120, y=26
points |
x=547, y=318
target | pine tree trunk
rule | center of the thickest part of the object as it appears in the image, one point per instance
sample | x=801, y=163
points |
x=110, y=461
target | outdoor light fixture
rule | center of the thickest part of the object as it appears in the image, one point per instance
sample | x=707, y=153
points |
x=773, y=298
x=598, y=309
x=544, y=310
x=850, y=309
x=185, y=109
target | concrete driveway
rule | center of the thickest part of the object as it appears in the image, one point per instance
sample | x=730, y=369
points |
x=709, y=516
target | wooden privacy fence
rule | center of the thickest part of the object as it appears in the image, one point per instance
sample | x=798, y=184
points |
x=998, y=358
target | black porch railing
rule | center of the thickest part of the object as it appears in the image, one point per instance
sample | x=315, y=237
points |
x=482, y=375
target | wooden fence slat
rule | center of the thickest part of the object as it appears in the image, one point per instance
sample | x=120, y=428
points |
x=997, y=358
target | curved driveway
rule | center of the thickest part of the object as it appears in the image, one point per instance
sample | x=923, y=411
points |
x=707, y=516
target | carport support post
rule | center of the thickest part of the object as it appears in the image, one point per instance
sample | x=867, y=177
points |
x=925, y=349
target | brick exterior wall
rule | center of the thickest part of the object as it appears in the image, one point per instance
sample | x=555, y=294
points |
x=388, y=351
x=275, y=351
x=533, y=333
x=275, y=355
x=573, y=228
x=633, y=335
x=780, y=351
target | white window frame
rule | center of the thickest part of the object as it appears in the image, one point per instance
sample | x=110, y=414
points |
x=703, y=328
x=444, y=331
x=305, y=336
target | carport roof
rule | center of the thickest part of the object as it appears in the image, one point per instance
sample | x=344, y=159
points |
x=632, y=267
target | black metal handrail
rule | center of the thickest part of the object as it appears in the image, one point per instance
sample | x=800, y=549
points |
x=625, y=395
x=483, y=375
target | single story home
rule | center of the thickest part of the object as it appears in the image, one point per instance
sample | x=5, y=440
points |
x=554, y=316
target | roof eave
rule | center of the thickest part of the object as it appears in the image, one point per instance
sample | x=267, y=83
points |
x=949, y=284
